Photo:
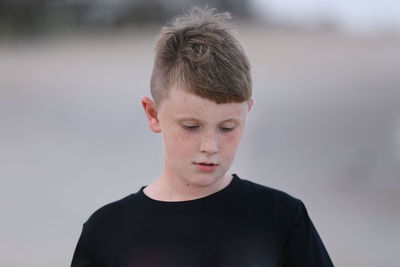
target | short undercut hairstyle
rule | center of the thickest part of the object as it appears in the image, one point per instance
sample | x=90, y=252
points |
x=198, y=53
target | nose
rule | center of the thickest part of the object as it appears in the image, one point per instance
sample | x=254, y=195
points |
x=209, y=143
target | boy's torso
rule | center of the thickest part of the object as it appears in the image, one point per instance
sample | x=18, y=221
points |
x=243, y=225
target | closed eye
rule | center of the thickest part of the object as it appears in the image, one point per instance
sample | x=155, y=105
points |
x=190, y=128
x=226, y=129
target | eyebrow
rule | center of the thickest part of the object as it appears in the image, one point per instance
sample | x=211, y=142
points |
x=184, y=118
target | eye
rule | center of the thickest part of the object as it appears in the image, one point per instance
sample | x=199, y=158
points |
x=226, y=129
x=190, y=128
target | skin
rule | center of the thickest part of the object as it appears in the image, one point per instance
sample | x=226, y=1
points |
x=195, y=132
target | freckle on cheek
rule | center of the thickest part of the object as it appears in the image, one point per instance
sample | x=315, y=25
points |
x=231, y=140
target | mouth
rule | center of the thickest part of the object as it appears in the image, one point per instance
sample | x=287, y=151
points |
x=206, y=166
x=206, y=163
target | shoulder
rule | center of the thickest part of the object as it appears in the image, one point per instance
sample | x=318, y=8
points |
x=272, y=203
x=113, y=212
x=290, y=221
x=260, y=193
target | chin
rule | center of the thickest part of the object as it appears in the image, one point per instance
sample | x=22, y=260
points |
x=205, y=180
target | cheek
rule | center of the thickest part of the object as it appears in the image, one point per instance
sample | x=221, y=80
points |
x=179, y=143
x=230, y=144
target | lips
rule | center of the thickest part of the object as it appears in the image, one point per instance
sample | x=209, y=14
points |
x=206, y=166
x=206, y=163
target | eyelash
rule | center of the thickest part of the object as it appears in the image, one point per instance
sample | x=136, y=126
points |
x=195, y=127
x=190, y=128
x=226, y=129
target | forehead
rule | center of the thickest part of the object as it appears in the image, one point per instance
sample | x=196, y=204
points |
x=182, y=104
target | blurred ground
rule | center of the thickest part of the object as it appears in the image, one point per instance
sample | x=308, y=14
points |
x=325, y=128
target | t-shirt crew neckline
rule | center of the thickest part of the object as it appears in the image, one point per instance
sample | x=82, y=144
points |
x=204, y=202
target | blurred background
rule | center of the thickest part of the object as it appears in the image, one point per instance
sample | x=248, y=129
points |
x=325, y=127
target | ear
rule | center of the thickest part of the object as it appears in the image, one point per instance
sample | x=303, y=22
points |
x=151, y=113
x=251, y=103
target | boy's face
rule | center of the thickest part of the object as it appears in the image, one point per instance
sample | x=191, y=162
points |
x=200, y=137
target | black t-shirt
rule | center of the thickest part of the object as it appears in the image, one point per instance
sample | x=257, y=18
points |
x=244, y=224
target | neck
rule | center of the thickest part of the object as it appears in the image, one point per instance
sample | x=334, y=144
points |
x=172, y=188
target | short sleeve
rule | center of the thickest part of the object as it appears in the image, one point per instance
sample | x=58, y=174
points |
x=82, y=257
x=304, y=247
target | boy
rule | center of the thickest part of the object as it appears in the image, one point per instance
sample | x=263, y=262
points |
x=196, y=213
